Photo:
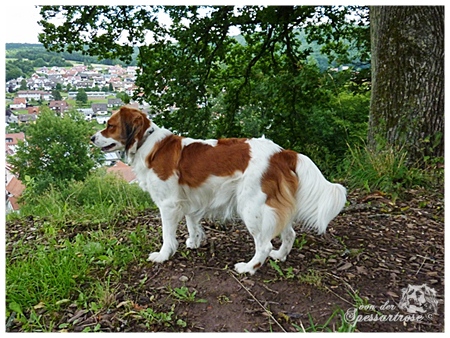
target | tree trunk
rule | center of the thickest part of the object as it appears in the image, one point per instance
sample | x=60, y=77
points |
x=407, y=104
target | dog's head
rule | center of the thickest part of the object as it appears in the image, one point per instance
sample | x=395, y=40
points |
x=415, y=294
x=124, y=130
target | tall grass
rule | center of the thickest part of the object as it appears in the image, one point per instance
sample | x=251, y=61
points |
x=102, y=197
x=387, y=169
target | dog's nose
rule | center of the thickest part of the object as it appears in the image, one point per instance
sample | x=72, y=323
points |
x=93, y=138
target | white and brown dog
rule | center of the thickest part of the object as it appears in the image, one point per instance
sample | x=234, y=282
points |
x=265, y=185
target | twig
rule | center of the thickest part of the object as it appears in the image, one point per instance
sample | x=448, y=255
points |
x=257, y=301
x=420, y=267
x=269, y=289
x=344, y=282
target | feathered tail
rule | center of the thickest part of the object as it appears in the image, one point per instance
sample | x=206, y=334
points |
x=318, y=200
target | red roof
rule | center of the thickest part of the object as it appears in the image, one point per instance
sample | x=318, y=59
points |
x=123, y=170
x=12, y=138
x=14, y=204
x=15, y=187
x=33, y=110
x=18, y=100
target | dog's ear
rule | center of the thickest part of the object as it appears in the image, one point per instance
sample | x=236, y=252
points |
x=134, y=125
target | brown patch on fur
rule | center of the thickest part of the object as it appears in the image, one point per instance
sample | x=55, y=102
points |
x=200, y=160
x=127, y=126
x=280, y=183
x=165, y=156
x=257, y=266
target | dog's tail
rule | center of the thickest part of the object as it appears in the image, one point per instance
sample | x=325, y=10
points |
x=318, y=200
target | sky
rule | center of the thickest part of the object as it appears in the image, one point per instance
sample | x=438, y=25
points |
x=21, y=16
x=21, y=23
x=21, y=20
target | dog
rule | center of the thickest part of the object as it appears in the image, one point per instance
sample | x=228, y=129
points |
x=268, y=187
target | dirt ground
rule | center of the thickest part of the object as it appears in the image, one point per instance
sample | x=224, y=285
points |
x=372, y=251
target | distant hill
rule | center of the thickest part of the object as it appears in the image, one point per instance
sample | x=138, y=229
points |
x=316, y=53
x=32, y=52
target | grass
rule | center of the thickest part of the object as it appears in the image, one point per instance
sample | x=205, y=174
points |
x=102, y=197
x=48, y=276
x=335, y=323
x=183, y=294
x=51, y=271
x=387, y=169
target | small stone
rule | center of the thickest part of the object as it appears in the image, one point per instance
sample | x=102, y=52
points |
x=183, y=279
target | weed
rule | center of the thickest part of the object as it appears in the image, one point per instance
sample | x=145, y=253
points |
x=332, y=324
x=300, y=242
x=183, y=294
x=223, y=299
x=152, y=317
x=89, y=329
x=288, y=273
x=312, y=277
x=101, y=196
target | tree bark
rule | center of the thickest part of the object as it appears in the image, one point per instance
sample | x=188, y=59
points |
x=407, y=103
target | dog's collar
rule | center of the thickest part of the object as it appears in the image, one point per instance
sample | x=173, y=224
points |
x=132, y=151
x=147, y=133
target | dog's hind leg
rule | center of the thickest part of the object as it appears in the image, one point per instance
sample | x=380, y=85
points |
x=287, y=240
x=196, y=233
x=263, y=246
x=260, y=226
x=170, y=218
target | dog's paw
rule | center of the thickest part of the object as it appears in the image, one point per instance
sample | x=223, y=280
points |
x=194, y=242
x=275, y=254
x=157, y=257
x=244, y=268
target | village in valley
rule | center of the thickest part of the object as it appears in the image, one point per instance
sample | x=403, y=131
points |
x=104, y=86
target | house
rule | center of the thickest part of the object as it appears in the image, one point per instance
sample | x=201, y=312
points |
x=18, y=103
x=46, y=96
x=11, y=141
x=123, y=170
x=113, y=103
x=10, y=117
x=27, y=118
x=33, y=94
x=100, y=108
x=133, y=104
x=88, y=113
x=102, y=119
x=58, y=106
x=14, y=190
x=111, y=158
x=12, y=85
x=33, y=110
x=93, y=95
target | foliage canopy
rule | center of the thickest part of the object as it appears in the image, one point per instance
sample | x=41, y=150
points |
x=56, y=150
x=202, y=81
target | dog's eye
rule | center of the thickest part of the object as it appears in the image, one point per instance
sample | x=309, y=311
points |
x=109, y=126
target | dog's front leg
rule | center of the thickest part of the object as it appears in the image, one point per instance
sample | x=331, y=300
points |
x=170, y=219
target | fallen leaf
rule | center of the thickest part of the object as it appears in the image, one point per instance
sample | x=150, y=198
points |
x=39, y=306
x=392, y=294
x=345, y=266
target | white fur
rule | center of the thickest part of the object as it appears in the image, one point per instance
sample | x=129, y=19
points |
x=319, y=200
